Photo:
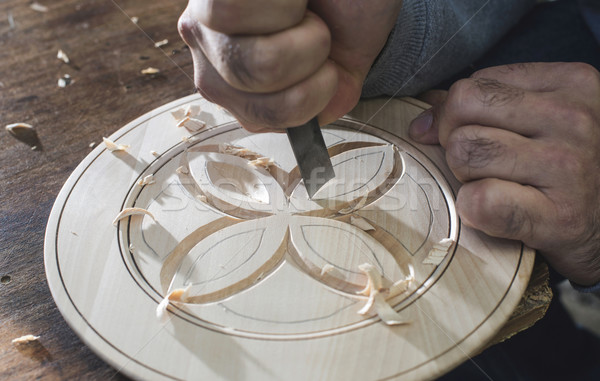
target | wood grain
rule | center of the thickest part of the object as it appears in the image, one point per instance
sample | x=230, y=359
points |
x=107, y=53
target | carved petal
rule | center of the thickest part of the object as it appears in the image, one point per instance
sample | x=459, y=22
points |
x=232, y=259
x=363, y=174
x=234, y=187
x=317, y=242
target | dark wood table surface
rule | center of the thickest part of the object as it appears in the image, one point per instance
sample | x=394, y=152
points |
x=107, y=52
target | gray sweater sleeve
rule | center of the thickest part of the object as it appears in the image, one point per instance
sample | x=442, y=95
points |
x=434, y=39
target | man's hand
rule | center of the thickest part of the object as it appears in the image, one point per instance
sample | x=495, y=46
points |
x=277, y=63
x=525, y=141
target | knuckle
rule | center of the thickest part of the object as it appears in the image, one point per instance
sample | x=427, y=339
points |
x=583, y=74
x=187, y=28
x=460, y=94
x=467, y=150
x=220, y=16
x=577, y=117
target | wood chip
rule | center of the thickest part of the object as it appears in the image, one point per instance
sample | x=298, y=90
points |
x=146, y=180
x=191, y=124
x=62, y=56
x=135, y=19
x=112, y=146
x=178, y=295
x=25, y=339
x=65, y=81
x=131, y=212
x=242, y=152
x=378, y=294
x=38, y=7
x=438, y=252
x=92, y=144
x=361, y=223
x=150, y=70
x=182, y=170
x=154, y=153
x=264, y=162
x=160, y=43
x=14, y=127
x=354, y=207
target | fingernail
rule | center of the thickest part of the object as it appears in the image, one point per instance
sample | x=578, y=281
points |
x=421, y=124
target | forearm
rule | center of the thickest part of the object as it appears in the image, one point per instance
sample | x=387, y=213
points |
x=434, y=39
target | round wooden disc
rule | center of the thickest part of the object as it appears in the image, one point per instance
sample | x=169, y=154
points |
x=272, y=275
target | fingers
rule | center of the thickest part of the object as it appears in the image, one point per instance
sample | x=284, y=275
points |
x=505, y=209
x=544, y=76
x=257, y=112
x=270, y=62
x=247, y=17
x=476, y=152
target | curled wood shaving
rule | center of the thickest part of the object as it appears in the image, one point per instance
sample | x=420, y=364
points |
x=62, y=56
x=182, y=170
x=264, y=162
x=160, y=43
x=150, y=70
x=378, y=294
x=147, y=180
x=132, y=212
x=242, y=152
x=191, y=124
x=438, y=252
x=64, y=81
x=361, y=223
x=38, y=7
x=25, y=339
x=328, y=269
x=189, y=110
x=177, y=295
x=112, y=146
x=14, y=127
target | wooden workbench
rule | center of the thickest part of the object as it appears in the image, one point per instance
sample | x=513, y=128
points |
x=107, y=52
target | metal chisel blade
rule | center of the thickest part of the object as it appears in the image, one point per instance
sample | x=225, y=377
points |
x=311, y=155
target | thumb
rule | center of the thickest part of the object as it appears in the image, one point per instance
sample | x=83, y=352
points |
x=423, y=129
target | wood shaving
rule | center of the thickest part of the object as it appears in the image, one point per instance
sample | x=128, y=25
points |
x=65, y=81
x=131, y=212
x=189, y=110
x=14, y=127
x=242, y=152
x=361, y=223
x=378, y=294
x=264, y=162
x=146, y=180
x=182, y=170
x=438, y=252
x=202, y=198
x=154, y=153
x=191, y=124
x=25, y=339
x=112, y=146
x=177, y=295
x=38, y=7
x=150, y=70
x=328, y=269
x=135, y=19
x=160, y=43
x=62, y=56
x=92, y=144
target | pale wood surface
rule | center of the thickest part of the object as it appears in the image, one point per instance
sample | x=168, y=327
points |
x=252, y=249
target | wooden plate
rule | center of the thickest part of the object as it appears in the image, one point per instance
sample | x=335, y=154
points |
x=252, y=247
